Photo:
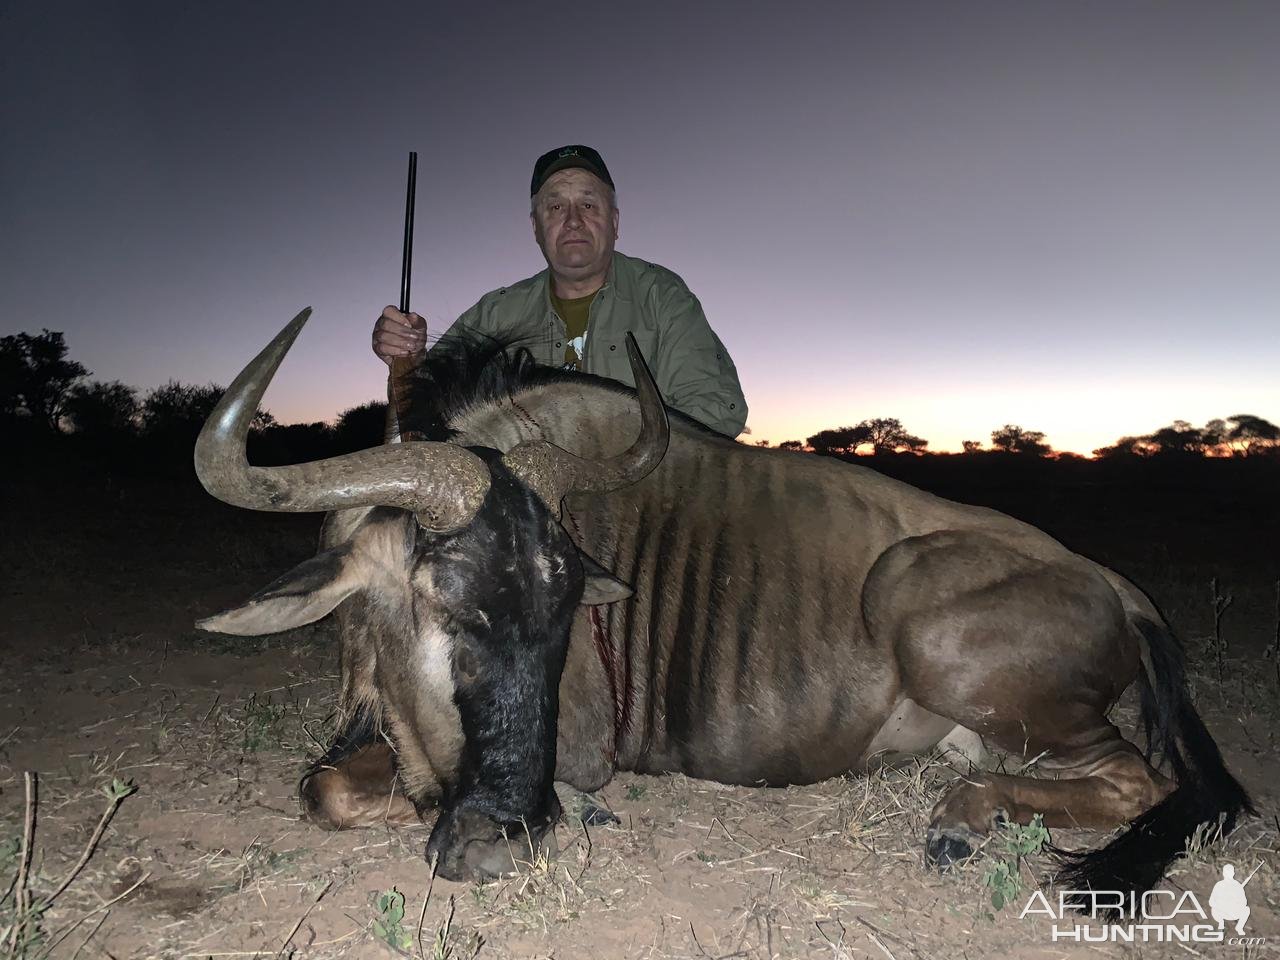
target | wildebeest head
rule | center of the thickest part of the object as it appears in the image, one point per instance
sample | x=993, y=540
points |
x=487, y=580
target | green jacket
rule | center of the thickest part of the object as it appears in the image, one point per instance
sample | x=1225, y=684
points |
x=692, y=367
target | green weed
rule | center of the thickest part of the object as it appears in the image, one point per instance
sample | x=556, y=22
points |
x=388, y=925
x=1016, y=843
x=262, y=721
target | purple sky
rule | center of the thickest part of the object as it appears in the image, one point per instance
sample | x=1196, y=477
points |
x=1062, y=215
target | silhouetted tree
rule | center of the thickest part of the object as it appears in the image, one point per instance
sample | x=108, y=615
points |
x=291, y=443
x=1011, y=438
x=839, y=440
x=791, y=445
x=887, y=435
x=362, y=426
x=1249, y=435
x=36, y=376
x=1179, y=438
x=762, y=443
x=1127, y=447
x=1241, y=435
x=180, y=409
x=1215, y=434
x=311, y=435
x=971, y=446
x=99, y=407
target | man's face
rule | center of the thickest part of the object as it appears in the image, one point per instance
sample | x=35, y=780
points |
x=575, y=223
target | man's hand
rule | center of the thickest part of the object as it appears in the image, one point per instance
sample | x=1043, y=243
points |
x=398, y=334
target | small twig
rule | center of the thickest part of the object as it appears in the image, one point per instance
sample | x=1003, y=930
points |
x=871, y=934
x=92, y=933
x=98, y=909
x=22, y=896
x=838, y=947
x=586, y=861
x=305, y=913
x=306, y=728
x=391, y=798
x=431, y=882
x=698, y=944
x=117, y=798
x=442, y=936
x=696, y=941
x=211, y=709
x=1220, y=604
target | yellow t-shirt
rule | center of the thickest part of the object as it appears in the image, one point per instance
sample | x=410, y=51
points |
x=574, y=313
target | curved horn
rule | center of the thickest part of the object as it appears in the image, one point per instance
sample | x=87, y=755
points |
x=553, y=472
x=442, y=483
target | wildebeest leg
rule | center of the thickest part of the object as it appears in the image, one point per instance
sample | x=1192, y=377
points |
x=383, y=771
x=355, y=784
x=1029, y=652
x=1102, y=794
x=360, y=790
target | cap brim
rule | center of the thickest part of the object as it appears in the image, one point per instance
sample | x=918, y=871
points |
x=569, y=163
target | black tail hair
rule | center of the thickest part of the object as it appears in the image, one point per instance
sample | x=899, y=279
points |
x=1206, y=792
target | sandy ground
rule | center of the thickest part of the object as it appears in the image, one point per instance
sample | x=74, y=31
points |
x=104, y=678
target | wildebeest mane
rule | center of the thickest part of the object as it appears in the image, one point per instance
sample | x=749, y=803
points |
x=469, y=369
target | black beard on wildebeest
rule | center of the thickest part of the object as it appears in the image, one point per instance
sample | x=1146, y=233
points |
x=795, y=618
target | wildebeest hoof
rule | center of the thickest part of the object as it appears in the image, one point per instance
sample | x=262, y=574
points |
x=360, y=791
x=583, y=806
x=594, y=815
x=947, y=846
x=511, y=856
x=470, y=845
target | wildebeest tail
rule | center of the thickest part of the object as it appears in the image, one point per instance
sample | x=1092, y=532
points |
x=1206, y=792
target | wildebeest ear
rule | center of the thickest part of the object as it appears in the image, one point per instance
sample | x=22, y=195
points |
x=303, y=595
x=602, y=586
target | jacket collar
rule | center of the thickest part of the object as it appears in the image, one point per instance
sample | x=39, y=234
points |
x=620, y=279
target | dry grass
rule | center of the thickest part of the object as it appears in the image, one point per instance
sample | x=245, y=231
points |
x=210, y=860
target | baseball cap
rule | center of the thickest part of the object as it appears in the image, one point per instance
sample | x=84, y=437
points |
x=562, y=158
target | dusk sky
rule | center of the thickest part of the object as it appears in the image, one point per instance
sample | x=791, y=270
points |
x=1062, y=215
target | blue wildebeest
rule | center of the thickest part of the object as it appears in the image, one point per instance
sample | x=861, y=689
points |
x=512, y=613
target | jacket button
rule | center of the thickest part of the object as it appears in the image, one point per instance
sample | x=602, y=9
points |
x=613, y=346
x=558, y=343
x=733, y=406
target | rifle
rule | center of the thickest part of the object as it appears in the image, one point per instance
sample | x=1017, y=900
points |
x=399, y=380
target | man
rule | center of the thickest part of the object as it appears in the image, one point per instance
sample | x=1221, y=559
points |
x=578, y=311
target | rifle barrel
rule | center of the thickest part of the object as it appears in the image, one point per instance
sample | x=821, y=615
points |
x=406, y=263
x=401, y=373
